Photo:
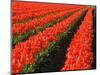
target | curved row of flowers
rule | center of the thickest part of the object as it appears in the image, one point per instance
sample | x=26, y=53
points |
x=24, y=52
x=80, y=55
x=24, y=27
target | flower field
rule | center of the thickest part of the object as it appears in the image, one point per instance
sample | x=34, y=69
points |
x=52, y=37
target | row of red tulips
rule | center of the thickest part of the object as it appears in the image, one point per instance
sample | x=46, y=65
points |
x=22, y=7
x=26, y=16
x=80, y=55
x=24, y=52
x=38, y=22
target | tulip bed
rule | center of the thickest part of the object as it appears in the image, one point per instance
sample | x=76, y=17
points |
x=80, y=55
x=52, y=37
